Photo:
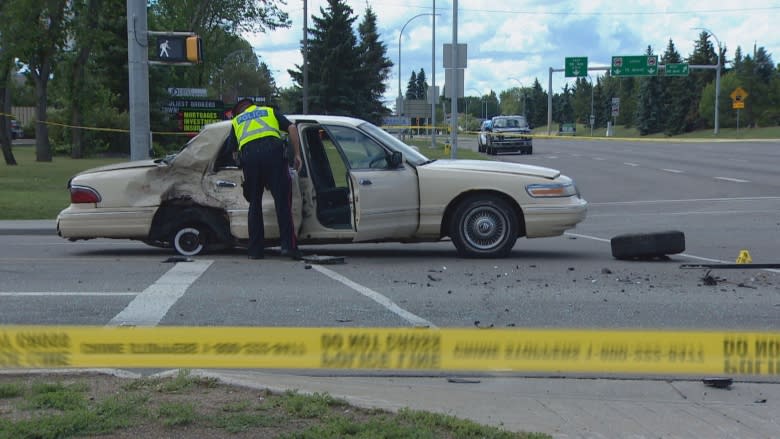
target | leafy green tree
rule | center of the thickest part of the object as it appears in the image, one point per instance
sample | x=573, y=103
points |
x=39, y=30
x=7, y=70
x=375, y=67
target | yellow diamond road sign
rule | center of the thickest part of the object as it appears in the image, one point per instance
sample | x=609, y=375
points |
x=738, y=94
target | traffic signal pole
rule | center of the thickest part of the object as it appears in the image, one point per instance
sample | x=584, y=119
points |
x=138, y=71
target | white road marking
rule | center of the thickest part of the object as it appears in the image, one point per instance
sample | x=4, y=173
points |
x=631, y=164
x=376, y=297
x=151, y=305
x=599, y=158
x=64, y=294
x=735, y=180
x=674, y=171
x=692, y=212
x=611, y=203
x=685, y=255
x=552, y=157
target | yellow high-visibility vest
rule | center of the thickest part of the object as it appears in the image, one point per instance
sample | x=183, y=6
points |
x=255, y=123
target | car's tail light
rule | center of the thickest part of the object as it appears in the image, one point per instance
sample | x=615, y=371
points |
x=83, y=194
x=551, y=190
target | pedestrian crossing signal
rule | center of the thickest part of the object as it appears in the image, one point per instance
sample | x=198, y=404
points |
x=194, y=49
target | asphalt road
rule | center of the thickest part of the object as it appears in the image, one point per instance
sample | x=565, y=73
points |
x=725, y=197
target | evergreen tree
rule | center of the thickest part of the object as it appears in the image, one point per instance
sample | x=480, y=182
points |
x=537, y=105
x=334, y=62
x=677, y=99
x=375, y=69
x=649, y=111
x=703, y=54
x=421, y=86
x=411, y=86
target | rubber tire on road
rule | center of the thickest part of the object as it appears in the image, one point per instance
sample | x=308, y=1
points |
x=189, y=240
x=487, y=218
x=647, y=245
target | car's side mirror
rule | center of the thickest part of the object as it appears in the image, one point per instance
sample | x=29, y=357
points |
x=395, y=159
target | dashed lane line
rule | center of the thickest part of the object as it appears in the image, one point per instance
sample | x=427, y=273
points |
x=733, y=180
x=673, y=171
x=631, y=164
x=376, y=297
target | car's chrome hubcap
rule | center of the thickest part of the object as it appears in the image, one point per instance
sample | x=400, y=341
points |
x=485, y=228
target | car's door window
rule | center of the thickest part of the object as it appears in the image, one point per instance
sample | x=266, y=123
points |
x=360, y=151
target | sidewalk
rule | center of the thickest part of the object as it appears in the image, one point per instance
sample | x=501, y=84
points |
x=28, y=227
x=562, y=407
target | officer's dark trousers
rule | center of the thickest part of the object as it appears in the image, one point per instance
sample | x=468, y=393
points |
x=265, y=165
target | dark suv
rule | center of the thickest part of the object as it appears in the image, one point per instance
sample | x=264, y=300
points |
x=509, y=134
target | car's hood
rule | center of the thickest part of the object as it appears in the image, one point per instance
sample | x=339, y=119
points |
x=494, y=166
x=124, y=165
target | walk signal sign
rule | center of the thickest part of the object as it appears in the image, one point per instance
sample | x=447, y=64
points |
x=179, y=49
x=171, y=49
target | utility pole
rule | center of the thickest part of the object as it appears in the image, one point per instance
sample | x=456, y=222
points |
x=138, y=71
x=305, y=58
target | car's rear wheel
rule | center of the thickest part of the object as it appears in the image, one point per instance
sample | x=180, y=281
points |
x=484, y=226
x=189, y=240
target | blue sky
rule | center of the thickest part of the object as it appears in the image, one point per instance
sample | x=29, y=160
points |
x=524, y=39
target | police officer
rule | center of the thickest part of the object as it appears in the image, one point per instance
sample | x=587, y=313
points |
x=256, y=130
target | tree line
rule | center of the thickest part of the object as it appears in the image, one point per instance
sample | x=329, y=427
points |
x=72, y=55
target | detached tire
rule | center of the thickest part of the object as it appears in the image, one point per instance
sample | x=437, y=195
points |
x=484, y=226
x=647, y=245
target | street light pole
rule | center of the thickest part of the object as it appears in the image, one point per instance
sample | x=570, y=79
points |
x=400, y=34
x=717, y=80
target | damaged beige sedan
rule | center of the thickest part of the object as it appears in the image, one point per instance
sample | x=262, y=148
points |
x=358, y=184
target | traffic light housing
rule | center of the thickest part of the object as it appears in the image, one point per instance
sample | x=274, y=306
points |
x=194, y=49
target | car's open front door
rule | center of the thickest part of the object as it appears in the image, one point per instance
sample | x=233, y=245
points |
x=384, y=195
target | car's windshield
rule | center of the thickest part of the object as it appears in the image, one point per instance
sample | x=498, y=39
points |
x=410, y=154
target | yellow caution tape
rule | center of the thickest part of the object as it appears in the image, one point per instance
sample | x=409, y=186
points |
x=506, y=350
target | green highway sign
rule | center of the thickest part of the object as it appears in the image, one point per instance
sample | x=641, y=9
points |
x=576, y=66
x=680, y=69
x=642, y=65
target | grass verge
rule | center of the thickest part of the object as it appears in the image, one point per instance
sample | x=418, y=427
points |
x=190, y=406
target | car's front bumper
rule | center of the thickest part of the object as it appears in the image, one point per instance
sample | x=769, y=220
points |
x=543, y=220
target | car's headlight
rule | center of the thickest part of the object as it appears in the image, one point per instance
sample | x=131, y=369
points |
x=551, y=190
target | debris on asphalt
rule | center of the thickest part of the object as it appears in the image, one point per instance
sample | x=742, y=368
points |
x=459, y=380
x=176, y=259
x=718, y=383
x=433, y=278
x=606, y=271
x=710, y=280
x=477, y=322
x=324, y=260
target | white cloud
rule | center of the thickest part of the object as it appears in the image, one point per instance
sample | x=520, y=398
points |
x=523, y=39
